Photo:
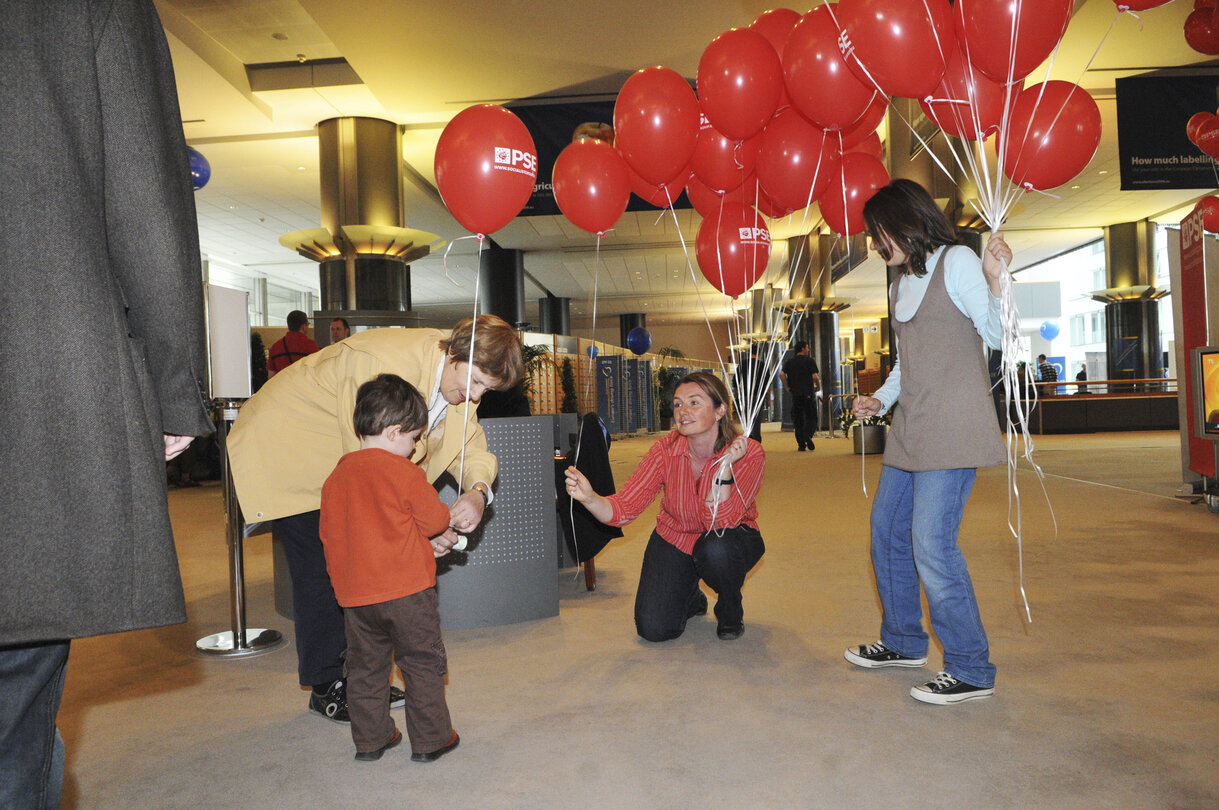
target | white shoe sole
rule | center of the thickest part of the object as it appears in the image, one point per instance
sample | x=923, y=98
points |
x=859, y=661
x=947, y=700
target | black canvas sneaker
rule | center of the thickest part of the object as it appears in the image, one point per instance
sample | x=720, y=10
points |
x=333, y=704
x=946, y=689
x=878, y=655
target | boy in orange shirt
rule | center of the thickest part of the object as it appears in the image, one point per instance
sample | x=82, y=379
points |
x=378, y=511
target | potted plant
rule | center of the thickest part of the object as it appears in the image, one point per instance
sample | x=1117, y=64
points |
x=666, y=380
x=868, y=433
x=567, y=383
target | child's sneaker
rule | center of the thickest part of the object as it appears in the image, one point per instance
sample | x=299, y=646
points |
x=877, y=655
x=946, y=689
x=333, y=704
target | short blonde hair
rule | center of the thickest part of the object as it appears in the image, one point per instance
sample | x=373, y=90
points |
x=497, y=348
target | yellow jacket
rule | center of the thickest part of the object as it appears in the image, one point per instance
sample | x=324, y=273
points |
x=290, y=435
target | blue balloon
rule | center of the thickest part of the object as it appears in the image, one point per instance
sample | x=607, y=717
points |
x=1049, y=330
x=593, y=351
x=639, y=340
x=200, y=169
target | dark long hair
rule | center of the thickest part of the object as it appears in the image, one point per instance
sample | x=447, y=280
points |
x=905, y=214
x=717, y=392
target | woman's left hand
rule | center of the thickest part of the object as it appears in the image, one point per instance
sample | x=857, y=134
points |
x=736, y=451
x=995, y=261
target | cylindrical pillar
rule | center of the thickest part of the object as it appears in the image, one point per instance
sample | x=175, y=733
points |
x=554, y=315
x=501, y=279
x=628, y=321
x=358, y=159
x=1132, y=340
x=379, y=283
x=823, y=341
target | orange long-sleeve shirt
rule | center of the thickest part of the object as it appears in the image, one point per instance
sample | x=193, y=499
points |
x=378, y=511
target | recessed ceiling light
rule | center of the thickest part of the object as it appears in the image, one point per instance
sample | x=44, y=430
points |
x=302, y=168
x=1103, y=171
x=1074, y=186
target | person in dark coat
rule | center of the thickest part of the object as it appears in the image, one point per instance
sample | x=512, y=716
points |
x=102, y=323
x=802, y=378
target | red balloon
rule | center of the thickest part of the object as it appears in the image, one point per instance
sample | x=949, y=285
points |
x=1206, y=3
x=720, y=162
x=656, y=123
x=1138, y=5
x=871, y=145
x=733, y=247
x=659, y=196
x=1053, y=132
x=1195, y=123
x=486, y=167
x=1202, y=31
x=1210, y=212
x=739, y=79
x=984, y=28
x=819, y=82
x=794, y=160
x=852, y=183
x=775, y=25
x=867, y=123
x=592, y=184
x=769, y=208
x=967, y=104
x=903, y=45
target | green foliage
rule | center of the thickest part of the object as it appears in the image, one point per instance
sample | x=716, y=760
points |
x=536, y=360
x=567, y=381
x=258, y=362
x=666, y=380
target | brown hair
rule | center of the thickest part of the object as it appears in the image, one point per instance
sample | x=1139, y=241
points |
x=715, y=389
x=905, y=214
x=388, y=400
x=497, y=348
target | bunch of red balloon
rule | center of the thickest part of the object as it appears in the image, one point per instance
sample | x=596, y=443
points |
x=1209, y=206
x=1202, y=27
x=1203, y=131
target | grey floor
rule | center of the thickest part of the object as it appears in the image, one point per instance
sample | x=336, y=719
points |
x=1109, y=698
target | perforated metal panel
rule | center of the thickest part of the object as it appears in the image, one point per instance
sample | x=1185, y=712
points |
x=509, y=573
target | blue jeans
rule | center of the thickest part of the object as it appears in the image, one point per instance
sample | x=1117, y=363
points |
x=669, y=579
x=31, y=750
x=915, y=521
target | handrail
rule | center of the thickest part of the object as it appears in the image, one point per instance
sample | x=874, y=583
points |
x=1129, y=387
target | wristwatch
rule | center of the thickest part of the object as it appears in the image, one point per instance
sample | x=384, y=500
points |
x=481, y=490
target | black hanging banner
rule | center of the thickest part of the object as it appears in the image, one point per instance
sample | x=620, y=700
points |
x=555, y=125
x=1153, y=147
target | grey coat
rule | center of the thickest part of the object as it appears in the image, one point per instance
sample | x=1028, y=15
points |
x=101, y=335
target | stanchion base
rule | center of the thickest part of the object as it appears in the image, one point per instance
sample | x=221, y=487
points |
x=257, y=641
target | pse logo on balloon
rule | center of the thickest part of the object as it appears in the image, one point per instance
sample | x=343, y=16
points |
x=754, y=236
x=516, y=160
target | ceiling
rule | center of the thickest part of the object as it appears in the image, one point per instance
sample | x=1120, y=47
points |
x=421, y=62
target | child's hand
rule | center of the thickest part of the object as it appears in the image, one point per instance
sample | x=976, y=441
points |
x=443, y=543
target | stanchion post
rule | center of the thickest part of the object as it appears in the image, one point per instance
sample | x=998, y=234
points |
x=239, y=640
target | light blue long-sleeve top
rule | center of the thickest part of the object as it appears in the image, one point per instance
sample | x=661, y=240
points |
x=967, y=287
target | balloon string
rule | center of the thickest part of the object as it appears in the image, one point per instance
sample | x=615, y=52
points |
x=461, y=468
x=448, y=249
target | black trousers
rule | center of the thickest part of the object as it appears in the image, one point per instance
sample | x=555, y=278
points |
x=320, y=638
x=804, y=418
x=669, y=579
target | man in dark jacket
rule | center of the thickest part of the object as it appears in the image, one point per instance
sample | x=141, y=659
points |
x=99, y=255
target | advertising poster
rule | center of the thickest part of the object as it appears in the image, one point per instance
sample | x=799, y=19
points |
x=1154, y=149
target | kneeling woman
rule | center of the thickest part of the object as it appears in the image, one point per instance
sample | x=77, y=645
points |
x=707, y=527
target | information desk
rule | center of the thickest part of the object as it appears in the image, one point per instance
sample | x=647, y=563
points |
x=508, y=572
